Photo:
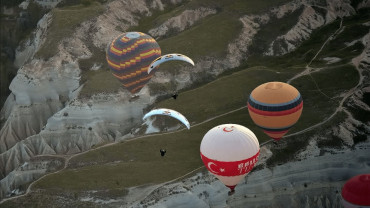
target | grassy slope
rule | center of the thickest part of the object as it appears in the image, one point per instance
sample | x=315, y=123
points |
x=208, y=37
x=185, y=144
x=197, y=105
x=65, y=20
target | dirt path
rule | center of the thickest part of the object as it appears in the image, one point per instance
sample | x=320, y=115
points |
x=308, y=69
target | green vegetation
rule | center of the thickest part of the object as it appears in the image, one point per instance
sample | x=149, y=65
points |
x=273, y=29
x=99, y=81
x=64, y=22
x=10, y=3
x=208, y=38
x=138, y=162
x=237, y=7
x=294, y=144
x=302, y=55
x=197, y=105
x=158, y=17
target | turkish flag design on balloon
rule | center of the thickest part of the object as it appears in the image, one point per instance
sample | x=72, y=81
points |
x=229, y=151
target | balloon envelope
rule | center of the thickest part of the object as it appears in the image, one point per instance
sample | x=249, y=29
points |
x=129, y=56
x=229, y=151
x=356, y=192
x=168, y=112
x=275, y=107
x=169, y=57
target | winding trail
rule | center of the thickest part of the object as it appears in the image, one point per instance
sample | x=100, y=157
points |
x=307, y=71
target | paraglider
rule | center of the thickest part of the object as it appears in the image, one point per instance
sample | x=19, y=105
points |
x=275, y=107
x=168, y=112
x=174, y=96
x=169, y=57
x=129, y=56
x=356, y=192
x=229, y=151
x=163, y=152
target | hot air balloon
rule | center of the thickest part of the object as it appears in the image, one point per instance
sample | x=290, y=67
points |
x=356, y=192
x=168, y=112
x=229, y=151
x=129, y=56
x=169, y=57
x=275, y=107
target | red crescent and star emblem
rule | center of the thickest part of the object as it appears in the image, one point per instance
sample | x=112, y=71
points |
x=228, y=129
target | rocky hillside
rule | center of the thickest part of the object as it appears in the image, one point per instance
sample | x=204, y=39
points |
x=64, y=101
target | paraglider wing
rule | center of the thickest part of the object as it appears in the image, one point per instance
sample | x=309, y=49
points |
x=129, y=56
x=168, y=112
x=275, y=107
x=229, y=151
x=169, y=57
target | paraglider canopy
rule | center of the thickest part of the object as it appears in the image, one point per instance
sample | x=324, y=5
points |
x=169, y=57
x=168, y=112
x=356, y=191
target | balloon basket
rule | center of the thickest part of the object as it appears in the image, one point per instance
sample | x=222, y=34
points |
x=231, y=192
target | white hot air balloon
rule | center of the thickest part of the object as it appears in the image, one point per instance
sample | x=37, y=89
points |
x=168, y=112
x=229, y=151
x=169, y=57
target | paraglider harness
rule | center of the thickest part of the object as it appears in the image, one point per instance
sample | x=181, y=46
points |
x=162, y=151
x=174, y=96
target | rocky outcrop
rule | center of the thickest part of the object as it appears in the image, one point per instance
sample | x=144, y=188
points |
x=35, y=97
x=181, y=22
x=44, y=91
x=29, y=171
x=310, y=19
x=28, y=48
x=294, y=184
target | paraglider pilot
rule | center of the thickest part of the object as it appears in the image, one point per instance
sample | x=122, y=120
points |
x=174, y=96
x=162, y=151
x=232, y=191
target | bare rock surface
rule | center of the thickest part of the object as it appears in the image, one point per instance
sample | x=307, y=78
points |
x=181, y=22
x=294, y=184
x=43, y=116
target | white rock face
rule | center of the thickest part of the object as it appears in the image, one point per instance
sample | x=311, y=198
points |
x=38, y=82
x=44, y=92
x=28, y=48
x=25, y=121
x=181, y=22
x=311, y=150
x=27, y=173
x=120, y=15
x=314, y=182
x=238, y=49
x=309, y=20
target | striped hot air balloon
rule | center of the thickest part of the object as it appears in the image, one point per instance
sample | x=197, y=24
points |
x=229, y=151
x=129, y=56
x=275, y=107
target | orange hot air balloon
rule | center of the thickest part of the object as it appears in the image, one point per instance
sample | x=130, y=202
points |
x=275, y=107
x=229, y=151
x=356, y=192
x=129, y=55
